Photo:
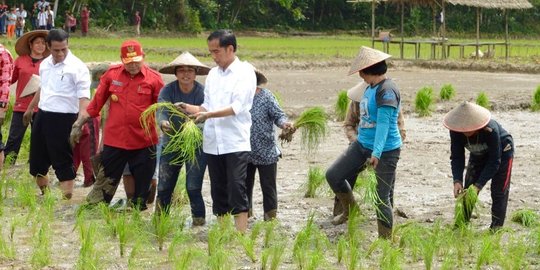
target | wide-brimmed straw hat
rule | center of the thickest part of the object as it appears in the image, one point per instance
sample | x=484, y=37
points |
x=356, y=92
x=467, y=117
x=22, y=46
x=367, y=57
x=185, y=59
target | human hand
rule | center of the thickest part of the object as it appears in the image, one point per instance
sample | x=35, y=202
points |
x=200, y=117
x=289, y=127
x=373, y=161
x=27, y=117
x=181, y=106
x=403, y=134
x=458, y=189
x=76, y=133
x=165, y=126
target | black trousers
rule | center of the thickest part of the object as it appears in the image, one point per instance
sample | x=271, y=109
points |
x=500, y=185
x=267, y=176
x=142, y=164
x=228, y=183
x=15, y=137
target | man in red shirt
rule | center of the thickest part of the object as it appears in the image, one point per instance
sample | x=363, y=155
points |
x=6, y=68
x=131, y=87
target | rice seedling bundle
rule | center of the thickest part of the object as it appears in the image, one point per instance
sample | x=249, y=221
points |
x=465, y=205
x=342, y=104
x=447, y=92
x=483, y=100
x=423, y=101
x=185, y=141
x=313, y=127
x=525, y=217
x=316, y=179
x=535, y=104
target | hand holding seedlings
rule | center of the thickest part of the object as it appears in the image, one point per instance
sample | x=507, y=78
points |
x=373, y=161
x=458, y=189
x=200, y=117
x=165, y=126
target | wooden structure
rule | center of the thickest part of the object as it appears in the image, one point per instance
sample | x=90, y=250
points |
x=373, y=5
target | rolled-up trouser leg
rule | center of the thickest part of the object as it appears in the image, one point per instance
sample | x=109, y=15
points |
x=386, y=175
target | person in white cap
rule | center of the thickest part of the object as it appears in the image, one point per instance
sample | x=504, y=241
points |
x=378, y=142
x=184, y=89
x=491, y=150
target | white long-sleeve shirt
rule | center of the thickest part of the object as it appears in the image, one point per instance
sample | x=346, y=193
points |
x=233, y=87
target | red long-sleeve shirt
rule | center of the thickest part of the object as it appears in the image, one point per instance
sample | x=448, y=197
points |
x=129, y=97
x=22, y=72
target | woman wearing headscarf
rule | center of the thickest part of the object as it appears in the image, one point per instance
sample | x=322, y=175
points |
x=378, y=142
x=491, y=150
x=31, y=49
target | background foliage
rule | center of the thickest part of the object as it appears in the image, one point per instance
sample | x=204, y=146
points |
x=193, y=16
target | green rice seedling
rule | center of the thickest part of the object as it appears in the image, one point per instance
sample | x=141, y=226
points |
x=465, y=203
x=390, y=258
x=122, y=232
x=316, y=179
x=41, y=254
x=219, y=234
x=341, y=247
x=185, y=141
x=342, y=104
x=134, y=254
x=514, y=254
x=353, y=258
x=483, y=100
x=525, y=217
x=180, y=237
x=108, y=215
x=536, y=237
x=49, y=201
x=313, y=126
x=88, y=255
x=16, y=221
x=309, y=245
x=447, y=92
x=26, y=196
x=489, y=249
x=369, y=182
x=249, y=246
x=180, y=196
x=535, y=103
x=7, y=249
x=269, y=232
x=188, y=257
x=220, y=259
x=163, y=226
x=277, y=252
x=423, y=101
x=265, y=256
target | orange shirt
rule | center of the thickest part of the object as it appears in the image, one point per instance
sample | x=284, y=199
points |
x=129, y=97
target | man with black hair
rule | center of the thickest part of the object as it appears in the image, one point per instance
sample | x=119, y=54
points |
x=64, y=93
x=228, y=96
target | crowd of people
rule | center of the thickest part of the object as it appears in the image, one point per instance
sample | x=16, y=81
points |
x=237, y=117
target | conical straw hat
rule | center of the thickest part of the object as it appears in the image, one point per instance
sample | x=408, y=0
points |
x=185, y=59
x=356, y=92
x=32, y=86
x=366, y=58
x=467, y=117
x=22, y=46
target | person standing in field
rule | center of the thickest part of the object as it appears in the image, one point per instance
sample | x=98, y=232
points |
x=11, y=23
x=264, y=155
x=137, y=23
x=378, y=142
x=32, y=49
x=131, y=87
x=228, y=97
x=6, y=69
x=184, y=89
x=85, y=20
x=64, y=96
x=491, y=150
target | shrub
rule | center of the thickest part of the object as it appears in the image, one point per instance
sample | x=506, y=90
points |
x=447, y=92
x=423, y=101
x=483, y=100
x=535, y=105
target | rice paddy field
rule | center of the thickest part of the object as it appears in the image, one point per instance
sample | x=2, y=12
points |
x=44, y=232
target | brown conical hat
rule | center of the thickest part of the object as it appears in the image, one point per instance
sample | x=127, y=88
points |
x=467, y=117
x=185, y=59
x=367, y=57
x=22, y=46
x=356, y=92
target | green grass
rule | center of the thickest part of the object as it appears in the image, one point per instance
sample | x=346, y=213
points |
x=423, y=101
x=535, y=103
x=447, y=92
x=483, y=100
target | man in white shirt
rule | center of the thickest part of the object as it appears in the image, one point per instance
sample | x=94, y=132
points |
x=65, y=91
x=228, y=96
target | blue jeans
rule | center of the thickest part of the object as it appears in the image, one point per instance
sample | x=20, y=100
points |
x=19, y=32
x=168, y=176
x=352, y=162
